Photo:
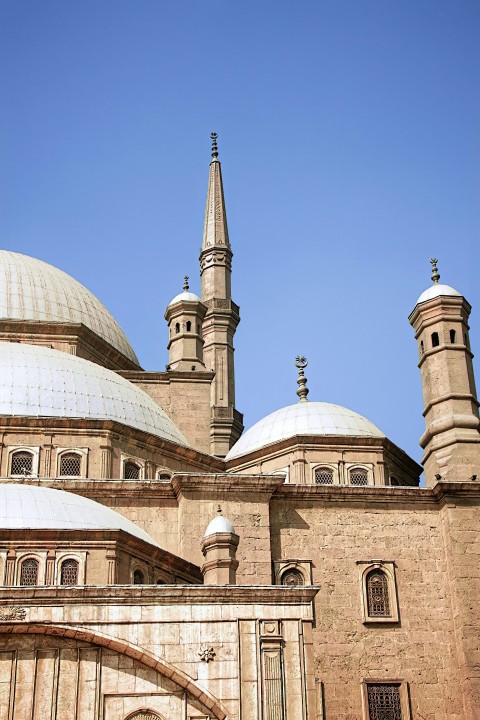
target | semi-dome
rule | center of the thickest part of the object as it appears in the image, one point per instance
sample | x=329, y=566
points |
x=25, y=507
x=40, y=382
x=31, y=289
x=303, y=418
x=436, y=291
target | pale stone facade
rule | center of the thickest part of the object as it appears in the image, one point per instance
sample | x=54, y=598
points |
x=156, y=564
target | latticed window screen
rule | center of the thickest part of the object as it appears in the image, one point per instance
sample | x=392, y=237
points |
x=377, y=594
x=144, y=715
x=384, y=702
x=292, y=577
x=29, y=572
x=138, y=577
x=69, y=572
x=131, y=471
x=358, y=476
x=22, y=463
x=324, y=476
x=70, y=464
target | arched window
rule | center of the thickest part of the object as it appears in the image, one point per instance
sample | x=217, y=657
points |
x=189, y=326
x=324, y=476
x=29, y=572
x=164, y=477
x=71, y=464
x=422, y=347
x=21, y=463
x=435, y=340
x=452, y=336
x=69, y=572
x=131, y=471
x=144, y=715
x=377, y=594
x=292, y=577
x=394, y=482
x=358, y=476
x=177, y=328
x=138, y=577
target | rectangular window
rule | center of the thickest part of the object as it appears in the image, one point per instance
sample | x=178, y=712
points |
x=384, y=702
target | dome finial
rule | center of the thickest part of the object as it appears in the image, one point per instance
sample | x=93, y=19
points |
x=219, y=509
x=435, y=273
x=301, y=363
x=186, y=286
x=214, y=137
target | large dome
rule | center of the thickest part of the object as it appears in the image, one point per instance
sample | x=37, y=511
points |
x=41, y=508
x=40, y=382
x=308, y=418
x=31, y=289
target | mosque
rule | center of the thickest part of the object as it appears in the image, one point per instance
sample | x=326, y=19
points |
x=158, y=562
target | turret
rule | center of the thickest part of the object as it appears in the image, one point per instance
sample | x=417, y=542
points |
x=185, y=315
x=219, y=547
x=222, y=315
x=451, y=440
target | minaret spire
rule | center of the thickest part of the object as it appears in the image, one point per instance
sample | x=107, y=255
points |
x=301, y=363
x=215, y=231
x=222, y=315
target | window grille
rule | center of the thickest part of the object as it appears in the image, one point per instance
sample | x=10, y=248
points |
x=138, y=577
x=384, y=702
x=358, y=476
x=144, y=715
x=377, y=594
x=292, y=577
x=22, y=463
x=70, y=464
x=69, y=572
x=131, y=471
x=324, y=476
x=29, y=572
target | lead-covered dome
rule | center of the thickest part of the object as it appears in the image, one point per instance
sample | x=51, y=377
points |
x=436, y=291
x=31, y=289
x=40, y=382
x=303, y=418
x=24, y=507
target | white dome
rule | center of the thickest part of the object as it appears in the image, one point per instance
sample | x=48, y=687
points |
x=42, y=508
x=184, y=296
x=31, y=289
x=437, y=290
x=40, y=382
x=307, y=418
x=219, y=524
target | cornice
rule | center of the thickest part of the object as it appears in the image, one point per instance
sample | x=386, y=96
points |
x=160, y=595
x=183, y=483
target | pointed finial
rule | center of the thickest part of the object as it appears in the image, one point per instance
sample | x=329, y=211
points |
x=301, y=363
x=214, y=137
x=219, y=510
x=435, y=273
x=186, y=286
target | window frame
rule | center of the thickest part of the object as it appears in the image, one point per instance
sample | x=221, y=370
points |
x=82, y=452
x=388, y=568
x=359, y=466
x=34, y=451
x=80, y=557
x=40, y=567
x=404, y=695
x=125, y=459
x=327, y=466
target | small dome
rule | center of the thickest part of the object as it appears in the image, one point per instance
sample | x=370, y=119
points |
x=31, y=289
x=24, y=507
x=437, y=290
x=40, y=382
x=185, y=296
x=219, y=524
x=307, y=418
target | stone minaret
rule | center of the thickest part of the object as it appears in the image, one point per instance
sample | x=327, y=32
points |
x=222, y=315
x=451, y=441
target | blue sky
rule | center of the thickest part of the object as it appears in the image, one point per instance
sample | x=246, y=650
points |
x=350, y=143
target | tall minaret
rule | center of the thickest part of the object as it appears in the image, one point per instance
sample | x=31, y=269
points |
x=451, y=440
x=222, y=315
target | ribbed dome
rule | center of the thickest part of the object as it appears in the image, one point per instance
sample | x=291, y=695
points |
x=40, y=508
x=309, y=418
x=31, y=289
x=40, y=382
x=437, y=290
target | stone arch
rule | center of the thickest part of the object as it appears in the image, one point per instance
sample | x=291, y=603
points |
x=123, y=647
x=144, y=714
